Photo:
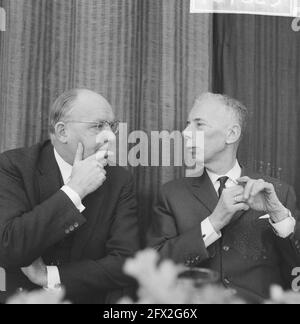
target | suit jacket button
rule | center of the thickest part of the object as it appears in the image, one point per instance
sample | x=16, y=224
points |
x=226, y=248
x=226, y=281
x=76, y=225
x=72, y=228
x=67, y=231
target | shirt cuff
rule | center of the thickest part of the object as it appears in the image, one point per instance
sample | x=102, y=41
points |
x=209, y=234
x=53, y=278
x=284, y=228
x=74, y=197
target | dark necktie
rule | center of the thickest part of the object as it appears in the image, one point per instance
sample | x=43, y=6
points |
x=222, y=181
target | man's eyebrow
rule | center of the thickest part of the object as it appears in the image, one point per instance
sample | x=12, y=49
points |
x=199, y=119
x=101, y=120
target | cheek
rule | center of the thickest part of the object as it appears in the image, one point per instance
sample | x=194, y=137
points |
x=75, y=134
x=214, y=140
x=84, y=136
x=90, y=145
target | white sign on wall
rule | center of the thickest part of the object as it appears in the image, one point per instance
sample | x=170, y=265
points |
x=2, y=19
x=288, y=8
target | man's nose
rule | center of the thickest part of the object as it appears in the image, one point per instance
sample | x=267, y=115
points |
x=188, y=133
x=106, y=136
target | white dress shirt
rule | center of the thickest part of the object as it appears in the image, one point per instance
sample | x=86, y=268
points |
x=283, y=229
x=66, y=171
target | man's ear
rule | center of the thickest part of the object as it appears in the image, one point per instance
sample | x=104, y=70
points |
x=234, y=134
x=61, y=132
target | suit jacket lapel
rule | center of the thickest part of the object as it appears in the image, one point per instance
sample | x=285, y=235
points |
x=203, y=189
x=49, y=176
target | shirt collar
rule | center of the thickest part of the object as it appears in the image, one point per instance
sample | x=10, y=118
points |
x=234, y=174
x=64, y=167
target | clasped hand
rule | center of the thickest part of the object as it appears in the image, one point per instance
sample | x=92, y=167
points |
x=257, y=195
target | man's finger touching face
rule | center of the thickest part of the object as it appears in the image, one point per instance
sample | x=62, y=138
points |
x=89, y=122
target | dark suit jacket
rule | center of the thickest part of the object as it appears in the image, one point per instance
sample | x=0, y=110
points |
x=35, y=216
x=249, y=257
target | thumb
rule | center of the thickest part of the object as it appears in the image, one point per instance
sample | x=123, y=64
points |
x=241, y=207
x=79, y=153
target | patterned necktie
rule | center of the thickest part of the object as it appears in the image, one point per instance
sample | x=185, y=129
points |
x=222, y=181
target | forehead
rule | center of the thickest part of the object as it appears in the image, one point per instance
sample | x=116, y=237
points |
x=210, y=110
x=91, y=107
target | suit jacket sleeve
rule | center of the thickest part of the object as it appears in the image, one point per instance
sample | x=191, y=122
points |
x=107, y=274
x=186, y=248
x=290, y=248
x=26, y=232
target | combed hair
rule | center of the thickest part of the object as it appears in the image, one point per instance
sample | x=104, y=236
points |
x=61, y=107
x=239, y=109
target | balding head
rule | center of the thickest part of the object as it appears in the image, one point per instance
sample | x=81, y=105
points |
x=81, y=99
x=75, y=118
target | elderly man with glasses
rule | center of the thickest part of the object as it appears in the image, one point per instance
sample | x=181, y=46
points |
x=67, y=219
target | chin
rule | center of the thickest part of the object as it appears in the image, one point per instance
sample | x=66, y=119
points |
x=208, y=160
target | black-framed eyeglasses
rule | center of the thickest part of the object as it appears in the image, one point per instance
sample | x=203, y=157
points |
x=114, y=125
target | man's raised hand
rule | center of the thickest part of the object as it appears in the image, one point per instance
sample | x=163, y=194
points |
x=229, y=204
x=88, y=175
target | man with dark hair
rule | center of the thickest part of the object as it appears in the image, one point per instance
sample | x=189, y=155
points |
x=67, y=219
x=231, y=220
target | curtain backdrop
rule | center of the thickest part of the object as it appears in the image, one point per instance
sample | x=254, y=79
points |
x=148, y=58
x=257, y=60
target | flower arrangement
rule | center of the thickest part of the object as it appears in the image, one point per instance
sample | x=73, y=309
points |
x=40, y=297
x=160, y=283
